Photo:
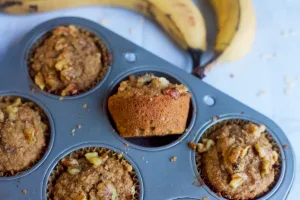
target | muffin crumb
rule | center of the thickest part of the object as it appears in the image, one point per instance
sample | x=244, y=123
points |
x=24, y=192
x=285, y=146
x=79, y=126
x=173, y=159
x=205, y=198
x=84, y=106
x=192, y=146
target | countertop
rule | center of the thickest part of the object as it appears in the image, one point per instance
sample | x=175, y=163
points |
x=267, y=79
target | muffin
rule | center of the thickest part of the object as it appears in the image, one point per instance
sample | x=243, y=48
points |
x=239, y=161
x=22, y=134
x=149, y=106
x=68, y=62
x=94, y=177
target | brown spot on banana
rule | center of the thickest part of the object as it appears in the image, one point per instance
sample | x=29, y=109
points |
x=8, y=4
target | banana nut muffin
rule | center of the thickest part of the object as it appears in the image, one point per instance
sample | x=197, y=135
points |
x=94, y=177
x=239, y=162
x=22, y=134
x=68, y=62
x=149, y=106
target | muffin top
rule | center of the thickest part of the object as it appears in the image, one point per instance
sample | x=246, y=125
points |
x=22, y=134
x=68, y=62
x=94, y=177
x=239, y=162
x=150, y=85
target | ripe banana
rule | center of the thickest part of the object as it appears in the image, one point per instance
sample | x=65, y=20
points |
x=181, y=19
x=236, y=31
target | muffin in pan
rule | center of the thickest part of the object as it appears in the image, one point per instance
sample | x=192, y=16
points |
x=93, y=176
x=239, y=161
x=68, y=61
x=149, y=106
x=23, y=135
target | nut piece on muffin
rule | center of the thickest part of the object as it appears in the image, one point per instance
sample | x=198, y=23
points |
x=149, y=106
x=94, y=177
x=68, y=62
x=239, y=162
x=22, y=134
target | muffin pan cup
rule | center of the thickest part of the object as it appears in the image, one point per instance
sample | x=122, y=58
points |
x=159, y=178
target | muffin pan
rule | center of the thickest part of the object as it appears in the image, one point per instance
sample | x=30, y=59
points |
x=157, y=177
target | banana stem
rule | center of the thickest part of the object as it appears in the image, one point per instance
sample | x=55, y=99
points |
x=196, y=55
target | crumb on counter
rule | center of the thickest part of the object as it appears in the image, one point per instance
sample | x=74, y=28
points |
x=205, y=198
x=84, y=106
x=261, y=93
x=79, y=126
x=61, y=98
x=24, y=192
x=103, y=21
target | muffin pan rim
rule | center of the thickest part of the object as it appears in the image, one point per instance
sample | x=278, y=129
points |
x=51, y=138
x=43, y=29
x=235, y=116
x=84, y=145
x=150, y=70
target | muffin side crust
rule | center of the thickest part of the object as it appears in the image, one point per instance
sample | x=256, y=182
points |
x=149, y=106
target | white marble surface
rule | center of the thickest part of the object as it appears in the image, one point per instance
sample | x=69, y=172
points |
x=267, y=79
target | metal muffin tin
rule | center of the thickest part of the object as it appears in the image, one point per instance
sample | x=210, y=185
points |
x=159, y=178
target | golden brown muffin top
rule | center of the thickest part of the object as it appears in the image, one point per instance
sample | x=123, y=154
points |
x=150, y=85
x=68, y=62
x=94, y=177
x=22, y=134
x=239, y=162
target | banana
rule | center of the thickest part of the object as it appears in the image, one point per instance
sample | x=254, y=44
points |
x=236, y=32
x=181, y=19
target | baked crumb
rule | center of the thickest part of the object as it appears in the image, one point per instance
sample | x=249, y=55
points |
x=103, y=21
x=73, y=130
x=131, y=31
x=205, y=198
x=173, y=159
x=192, y=145
x=261, y=93
x=79, y=126
x=61, y=98
x=285, y=146
x=24, y=192
x=84, y=106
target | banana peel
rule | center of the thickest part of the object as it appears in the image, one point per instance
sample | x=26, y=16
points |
x=237, y=27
